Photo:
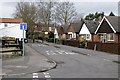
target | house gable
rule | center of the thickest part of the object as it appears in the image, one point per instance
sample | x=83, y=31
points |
x=106, y=25
x=105, y=28
x=84, y=30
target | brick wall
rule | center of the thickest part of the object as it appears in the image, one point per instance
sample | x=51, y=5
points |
x=105, y=47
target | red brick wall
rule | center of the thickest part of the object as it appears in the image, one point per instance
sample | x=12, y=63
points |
x=116, y=38
x=105, y=47
x=96, y=38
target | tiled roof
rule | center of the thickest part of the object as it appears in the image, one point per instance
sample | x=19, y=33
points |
x=77, y=26
x=10, y=20
x=91, y=25
x=115, y=22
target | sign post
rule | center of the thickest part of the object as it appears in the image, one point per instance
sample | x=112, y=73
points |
x=23, y=26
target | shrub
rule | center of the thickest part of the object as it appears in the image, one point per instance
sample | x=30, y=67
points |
x=82, y=43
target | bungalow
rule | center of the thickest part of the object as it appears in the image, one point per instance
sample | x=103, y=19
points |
x=62, y=31
x=87, y=30
x=73, y=30
x=109, y=30
x=108, y=34
x=59, y=31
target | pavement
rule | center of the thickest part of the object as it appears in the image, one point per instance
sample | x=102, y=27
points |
x=32, y=62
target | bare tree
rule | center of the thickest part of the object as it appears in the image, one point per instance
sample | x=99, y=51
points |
x=65, y=12
x=28, y=12
x=45, y=12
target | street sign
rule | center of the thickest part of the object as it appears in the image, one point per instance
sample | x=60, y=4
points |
x=23, y=26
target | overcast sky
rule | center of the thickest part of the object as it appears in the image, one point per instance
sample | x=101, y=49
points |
x=82, y=6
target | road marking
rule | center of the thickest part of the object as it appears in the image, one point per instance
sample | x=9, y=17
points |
x=52, y=53
x=48, y=53
x=47, y=75
x=71, y=53
x=66, y=52
x=61, y=52
x=35, y=75
x=106, y=60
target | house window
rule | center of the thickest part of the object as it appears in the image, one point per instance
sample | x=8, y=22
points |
x=111, y=37
x=88, y=36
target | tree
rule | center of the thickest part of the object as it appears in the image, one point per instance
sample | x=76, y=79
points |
x=28, y=12
x=45, y=12
x=111, y=14
x=95, y=16
x=65, y=12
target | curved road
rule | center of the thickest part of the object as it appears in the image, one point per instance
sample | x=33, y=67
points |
x=74, y=65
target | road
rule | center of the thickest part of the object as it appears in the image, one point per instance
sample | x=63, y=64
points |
x=74, y=65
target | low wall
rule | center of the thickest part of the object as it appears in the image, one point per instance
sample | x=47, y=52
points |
x=105, y=47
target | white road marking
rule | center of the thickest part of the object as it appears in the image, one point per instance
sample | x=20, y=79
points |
x=47, y=75
x=35, y=75
x=106, y=60
x=61, y=52
x=66, y=52
x=48, y=53
x=53, y=53
x=71, y=53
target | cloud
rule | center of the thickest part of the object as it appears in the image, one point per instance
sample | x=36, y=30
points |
x=8, y=8
x=107, y=7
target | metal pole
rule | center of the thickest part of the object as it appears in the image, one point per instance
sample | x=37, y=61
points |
x=23, y=44
x=54, y=27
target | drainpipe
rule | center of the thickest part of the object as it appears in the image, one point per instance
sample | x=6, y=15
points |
x=118, y=43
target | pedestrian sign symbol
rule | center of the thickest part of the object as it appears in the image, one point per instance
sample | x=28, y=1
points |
x=23, y=26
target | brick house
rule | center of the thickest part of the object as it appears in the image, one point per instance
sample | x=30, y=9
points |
x=108, y=30
x=88, y=29
x=107, y=37
x=73, y=30
x=63, y=31
x=60, y=32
